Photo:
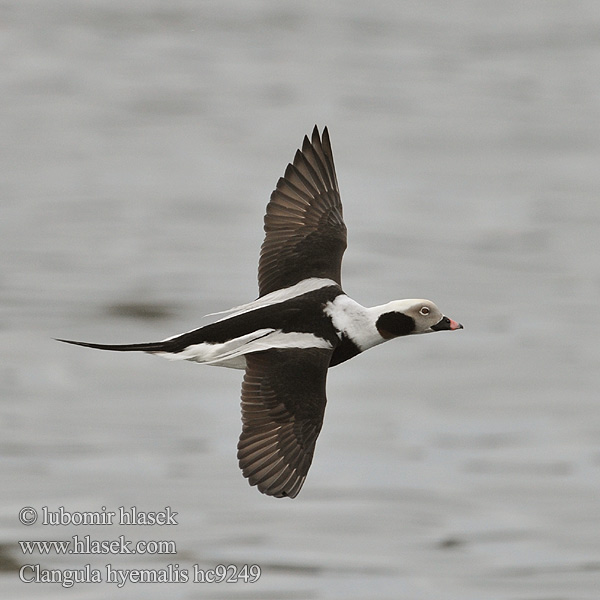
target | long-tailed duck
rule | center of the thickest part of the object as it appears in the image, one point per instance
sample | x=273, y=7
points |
x=301, y=324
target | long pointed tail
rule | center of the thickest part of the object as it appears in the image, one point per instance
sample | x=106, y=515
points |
x=146, y=347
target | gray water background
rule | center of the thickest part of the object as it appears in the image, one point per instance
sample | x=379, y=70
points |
x=140, y=141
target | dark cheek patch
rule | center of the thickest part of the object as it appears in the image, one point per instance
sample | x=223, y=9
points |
x=394, y=324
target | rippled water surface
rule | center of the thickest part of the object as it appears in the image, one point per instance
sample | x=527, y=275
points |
x=140, y=141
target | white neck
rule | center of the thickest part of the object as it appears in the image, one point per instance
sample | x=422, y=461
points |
x=355, y=321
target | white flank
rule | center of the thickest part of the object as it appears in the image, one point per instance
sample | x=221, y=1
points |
x=231, y=353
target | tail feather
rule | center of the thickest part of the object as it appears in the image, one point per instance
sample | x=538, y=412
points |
x=144, y=347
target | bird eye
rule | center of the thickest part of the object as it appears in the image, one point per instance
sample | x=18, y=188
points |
x=425, y=310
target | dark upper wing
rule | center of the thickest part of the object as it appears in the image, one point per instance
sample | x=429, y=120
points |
x=305, y=231
x=283, y=403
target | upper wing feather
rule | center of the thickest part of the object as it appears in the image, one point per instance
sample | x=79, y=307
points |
x=283, y=403
x=305, y=234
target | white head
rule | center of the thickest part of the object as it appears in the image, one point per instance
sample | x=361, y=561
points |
x=407, y=317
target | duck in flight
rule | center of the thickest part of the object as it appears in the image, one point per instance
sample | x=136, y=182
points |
x=301, y=324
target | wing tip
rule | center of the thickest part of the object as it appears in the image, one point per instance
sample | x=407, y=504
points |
x=290, y=488
x=320, y=136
